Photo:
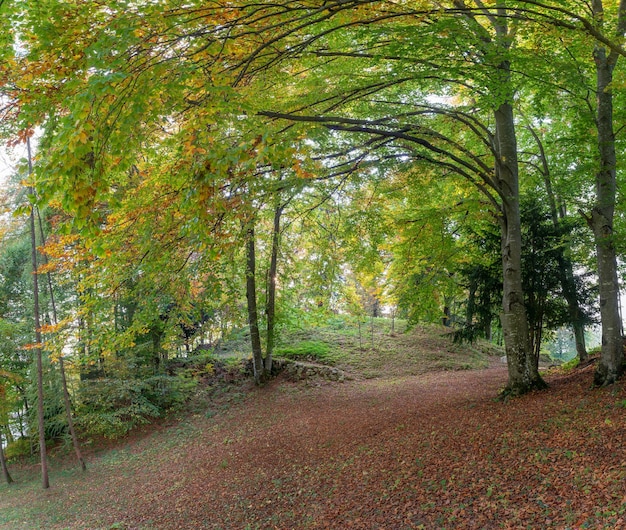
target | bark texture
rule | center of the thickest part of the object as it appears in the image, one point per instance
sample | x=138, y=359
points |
x=522, y=363
x=3, y=463
x=253, y=314
x=610, y=367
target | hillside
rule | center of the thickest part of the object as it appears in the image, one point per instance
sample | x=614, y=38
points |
x=432, y=450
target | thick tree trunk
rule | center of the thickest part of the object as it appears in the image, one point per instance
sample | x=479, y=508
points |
x=253, y=316
x=610, y=366
x=522, y=363
x=3, y=463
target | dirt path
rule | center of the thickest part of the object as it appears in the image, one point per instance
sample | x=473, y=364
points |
x=433, y=451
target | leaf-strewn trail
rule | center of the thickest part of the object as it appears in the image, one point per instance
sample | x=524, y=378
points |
x=430, y=451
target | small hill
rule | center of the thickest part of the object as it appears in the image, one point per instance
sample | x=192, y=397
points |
x=374, y=351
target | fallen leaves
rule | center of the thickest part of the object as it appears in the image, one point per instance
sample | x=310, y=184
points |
x=426, y=452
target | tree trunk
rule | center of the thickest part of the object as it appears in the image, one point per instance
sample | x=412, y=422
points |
x=487, y=327
x=3, y=463
x=610, y=366
x=445, y=321
x=566, y=271
x=471, y=302
x=7, y=432
x=271, y=292
x=39, y=358
x=576, y=316
x=253, y=316
x=38, y=353
x=522, y=364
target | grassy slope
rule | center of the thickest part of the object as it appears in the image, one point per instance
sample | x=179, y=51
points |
x=363, y=354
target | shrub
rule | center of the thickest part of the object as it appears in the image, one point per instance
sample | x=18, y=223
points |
x=308, y=350
x=571, y=364
x=112, y=407
x=17, y=449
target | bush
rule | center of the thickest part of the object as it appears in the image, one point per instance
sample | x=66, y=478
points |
x=112, y=407
x=17, y=449
x=308, y=350
x=571, y=364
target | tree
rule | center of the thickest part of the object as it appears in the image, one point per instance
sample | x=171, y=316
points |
x=610, y=367
x=565, y=271
x=606, y=25
x=55, y=324
x=38, y=343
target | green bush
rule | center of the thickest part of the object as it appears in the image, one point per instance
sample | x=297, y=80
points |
x=17, y=449
x=308, y=350
x=571, y=364
x=112, y=407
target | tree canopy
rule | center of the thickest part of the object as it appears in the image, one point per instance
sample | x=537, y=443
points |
x=206, y=166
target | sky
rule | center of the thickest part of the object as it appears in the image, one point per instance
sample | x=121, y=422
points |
x=9, y=158
x=7, y=162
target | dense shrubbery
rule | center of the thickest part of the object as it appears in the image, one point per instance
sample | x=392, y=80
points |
x=112, y=407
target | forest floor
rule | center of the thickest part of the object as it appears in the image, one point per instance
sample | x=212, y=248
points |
x=432, y=451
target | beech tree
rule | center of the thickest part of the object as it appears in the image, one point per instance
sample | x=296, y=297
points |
x=611, y=366
x=605, y=24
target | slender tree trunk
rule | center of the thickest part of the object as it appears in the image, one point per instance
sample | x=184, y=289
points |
x=271, y=291
x=66, y=394
x=360, y=335
x=40, y=409
x=576, y=316
x=253, y=316
x=446, y=316
x=3, y=463
x=487, y=328
x=471, y=302
x=610, y=366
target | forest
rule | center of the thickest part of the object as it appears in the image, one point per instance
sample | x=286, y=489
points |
x=186, y=173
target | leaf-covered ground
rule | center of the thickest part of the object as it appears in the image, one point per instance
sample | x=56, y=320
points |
x=427, y=451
